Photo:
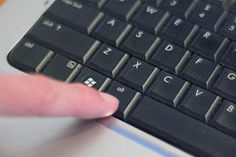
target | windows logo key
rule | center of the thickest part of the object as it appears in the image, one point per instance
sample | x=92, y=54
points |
x=90, y=82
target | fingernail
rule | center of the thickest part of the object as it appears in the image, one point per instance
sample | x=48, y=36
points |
x=112, y=104
x=109, y=98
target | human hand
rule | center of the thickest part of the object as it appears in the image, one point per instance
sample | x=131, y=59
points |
x=37, y=95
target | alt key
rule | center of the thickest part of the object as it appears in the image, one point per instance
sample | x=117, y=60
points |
x=127, y=97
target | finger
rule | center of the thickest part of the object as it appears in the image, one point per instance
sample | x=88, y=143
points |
x=27, y=95
x=1, y=2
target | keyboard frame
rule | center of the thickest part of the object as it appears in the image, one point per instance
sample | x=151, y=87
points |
x=17, y=17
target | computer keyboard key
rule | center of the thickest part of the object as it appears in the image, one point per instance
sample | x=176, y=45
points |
x=127, y=97
x=65, y=40
x=108, y=60
x=225, y=118
x=200, y=71
x=206, y=15
x=228, y=29
x=62, y=68
x=229, y=57
x=112, y=31
x=29, y=56
x=233, y=7
x=178, y=31
x=76, y=15
x=168, y=88
x=137, y=74
x=170, y=57
x=208, y=44
x=123, y=9
x=150, y=18
x=92, y=79
x=218, y=3
x=181, y=130
x=225, y=86
x=94, y=3
x=140, y=44
x=199, y=103
x=176, y=7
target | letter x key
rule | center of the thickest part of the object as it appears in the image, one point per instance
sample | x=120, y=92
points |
x=137, y=74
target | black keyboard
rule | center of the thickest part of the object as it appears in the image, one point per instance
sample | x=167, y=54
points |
x=171, y=63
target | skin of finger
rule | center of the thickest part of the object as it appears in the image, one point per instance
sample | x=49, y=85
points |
x=42, y=96
x=1, y=2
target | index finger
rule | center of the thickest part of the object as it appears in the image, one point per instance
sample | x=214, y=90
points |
x=27, y=95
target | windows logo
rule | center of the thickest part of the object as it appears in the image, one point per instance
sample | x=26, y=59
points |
x=90, y=82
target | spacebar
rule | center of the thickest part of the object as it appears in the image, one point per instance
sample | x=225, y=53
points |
x=184, y=132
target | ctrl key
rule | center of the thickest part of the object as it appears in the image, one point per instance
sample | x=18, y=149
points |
x=29, y=56
x=225, y=118
x=127, y=97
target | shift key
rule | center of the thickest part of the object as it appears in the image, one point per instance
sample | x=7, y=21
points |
x=68, y=41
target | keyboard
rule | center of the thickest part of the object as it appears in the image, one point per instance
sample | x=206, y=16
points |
x=171, y=63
